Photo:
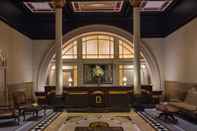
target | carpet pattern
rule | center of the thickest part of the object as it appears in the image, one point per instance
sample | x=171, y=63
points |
x=86, y=120
x=44, y=123
x=155, y=124
x=123, y=119
x=150, y=116
x=11, y=125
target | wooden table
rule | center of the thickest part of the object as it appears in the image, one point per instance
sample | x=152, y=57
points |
x=31, y=109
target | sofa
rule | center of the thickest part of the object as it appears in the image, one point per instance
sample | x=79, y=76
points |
x=188, y=106
x=8, y=112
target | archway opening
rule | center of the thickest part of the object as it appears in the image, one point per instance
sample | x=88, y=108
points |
x=118, y=35
x=113, y=53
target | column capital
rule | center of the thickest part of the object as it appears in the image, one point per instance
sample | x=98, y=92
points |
x=58, y=3
x=135, y=3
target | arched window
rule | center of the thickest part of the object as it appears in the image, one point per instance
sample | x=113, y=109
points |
x=114, y=54
x=70, y=51
x=98, y=46
x=125, y=50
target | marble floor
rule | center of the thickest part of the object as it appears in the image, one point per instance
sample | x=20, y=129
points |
x=124, y=120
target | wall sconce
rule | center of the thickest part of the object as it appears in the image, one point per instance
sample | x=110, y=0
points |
x=124, y=81
x=143, y=66
x=70, y=80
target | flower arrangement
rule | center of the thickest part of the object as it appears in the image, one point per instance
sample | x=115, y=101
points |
x=98, y=71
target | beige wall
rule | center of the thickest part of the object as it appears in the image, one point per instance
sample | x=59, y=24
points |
x=156, y=46
x=40, y=48
x=181, y=53
x=19, y=50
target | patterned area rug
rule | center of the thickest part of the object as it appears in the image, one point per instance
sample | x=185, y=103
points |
x=85, y=120
x=11, y=125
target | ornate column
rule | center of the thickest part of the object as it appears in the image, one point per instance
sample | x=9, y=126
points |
x=59, y=4
x=136, y=43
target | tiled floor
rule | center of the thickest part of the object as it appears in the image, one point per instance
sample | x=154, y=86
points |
x=113, y=119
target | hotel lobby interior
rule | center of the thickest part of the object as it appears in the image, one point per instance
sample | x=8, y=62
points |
x=98, y=65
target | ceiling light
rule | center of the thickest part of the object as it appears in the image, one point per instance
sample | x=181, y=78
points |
x=155, y=5
x=97, y=6
x=39, y=7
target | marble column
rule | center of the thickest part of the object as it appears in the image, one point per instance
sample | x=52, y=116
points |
x=136, y=43
x=116, y=66
x=59, y=4
x=80, y=64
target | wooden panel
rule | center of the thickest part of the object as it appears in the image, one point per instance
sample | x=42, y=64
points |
x=177, y=90
x=27, y=87
x=119, y=100
x=77, y=99
x=95, y=96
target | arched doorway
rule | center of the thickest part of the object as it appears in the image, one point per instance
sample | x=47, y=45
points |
x=83, y=47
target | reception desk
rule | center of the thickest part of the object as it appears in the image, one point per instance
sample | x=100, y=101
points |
x=117, y=97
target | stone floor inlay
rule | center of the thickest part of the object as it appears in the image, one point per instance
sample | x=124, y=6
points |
x=111, y=119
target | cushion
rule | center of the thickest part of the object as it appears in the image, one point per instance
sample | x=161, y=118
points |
x=6, y=113
x=191, y=97
x=184, y=106
x=175, y=100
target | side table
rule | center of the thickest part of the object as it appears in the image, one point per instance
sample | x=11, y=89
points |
x=31, y=109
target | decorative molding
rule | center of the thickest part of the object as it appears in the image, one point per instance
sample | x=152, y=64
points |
x=177, y=89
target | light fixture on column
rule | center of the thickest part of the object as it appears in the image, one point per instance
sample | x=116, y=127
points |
x=124, y=81
x=143, y=66
x=70, y=80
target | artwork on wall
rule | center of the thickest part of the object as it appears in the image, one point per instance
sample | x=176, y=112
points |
x=3, y=84
x=90, y=78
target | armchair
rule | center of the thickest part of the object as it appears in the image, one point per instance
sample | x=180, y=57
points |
x=24, y=105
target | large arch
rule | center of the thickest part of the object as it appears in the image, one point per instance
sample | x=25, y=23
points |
x=155, y=74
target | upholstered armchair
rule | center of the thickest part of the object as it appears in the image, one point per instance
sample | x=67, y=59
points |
x=25, y=105
x=21, y=101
